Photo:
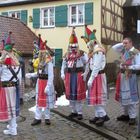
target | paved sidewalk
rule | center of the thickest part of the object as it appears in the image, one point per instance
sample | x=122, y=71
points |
x=60, y=128
x=112, y=129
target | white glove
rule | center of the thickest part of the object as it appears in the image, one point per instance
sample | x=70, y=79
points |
x=84, y=76
x=131, y=67
x=63, y=76
x=47, y=89
x=90, y=81
x=28, y=75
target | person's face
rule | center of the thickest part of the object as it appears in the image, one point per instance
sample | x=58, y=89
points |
x=127, y=44
x=73, y=47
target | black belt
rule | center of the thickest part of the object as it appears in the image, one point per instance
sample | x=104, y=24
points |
x=137, y=72
x=43, y=76
x=70, y=70
x=100, y=72
x=8, y=84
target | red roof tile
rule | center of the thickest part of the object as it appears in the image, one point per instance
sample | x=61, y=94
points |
x=21, y=34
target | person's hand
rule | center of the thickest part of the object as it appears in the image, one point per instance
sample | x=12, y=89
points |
x=90, y=81
x=63, y=76
x=84, y=75
x=47, y=89
x=28, y=75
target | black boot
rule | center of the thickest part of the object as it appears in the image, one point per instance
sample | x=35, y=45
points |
x=47, y=121
x=80, y=117
x=106, y=118
x=73, y=115
x=35, y=122
x=123, y=118
x=101, y=120
x=93, y=121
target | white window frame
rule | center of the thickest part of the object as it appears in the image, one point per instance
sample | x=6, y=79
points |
x=77, y=15
x=42, y=18
x=15, y=12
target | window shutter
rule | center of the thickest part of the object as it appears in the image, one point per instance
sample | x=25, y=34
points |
x=58, y=57
x=61, y=16
x=88, y=13
x=4, y=13
x=24, y=16
x=36, y=18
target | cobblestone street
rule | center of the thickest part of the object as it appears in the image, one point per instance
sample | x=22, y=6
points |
x=60, y=129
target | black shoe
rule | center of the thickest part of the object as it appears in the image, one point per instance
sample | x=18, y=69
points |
x=123, y=118
x=93, y=121
x=80, y=117
x=106, y=118
x=101, y=120
x=35, y=122
x=132, y=121
x=47, y=122
x=73, y=115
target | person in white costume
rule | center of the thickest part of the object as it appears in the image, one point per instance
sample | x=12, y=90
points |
x=45, y=97
x=71, y=72
x=10, y=73
x=97, y=85
x=126, y=84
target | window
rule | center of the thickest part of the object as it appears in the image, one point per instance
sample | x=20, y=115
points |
x=76, y=14
x=47, y=17
x=15, y=14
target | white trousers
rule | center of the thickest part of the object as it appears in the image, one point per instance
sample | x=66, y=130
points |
x=76, y=106
x=99, y=111
x=12, y=124
x=39, y=112
x=130, y=110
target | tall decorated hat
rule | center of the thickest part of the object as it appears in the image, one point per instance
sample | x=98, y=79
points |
x=41, y=44
x=8, y=44
x=43, y=47
x=89, y=35
x=73, y=41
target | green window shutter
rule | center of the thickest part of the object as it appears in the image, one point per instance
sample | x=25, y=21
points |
x=4, y=13
x=88, y=13
x=61, y=16
x=58, y=57
x=36, y=18
x=24, y=16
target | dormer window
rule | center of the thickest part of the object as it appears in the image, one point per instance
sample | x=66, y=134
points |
x=15, y=14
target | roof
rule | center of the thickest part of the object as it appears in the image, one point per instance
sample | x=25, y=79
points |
x=22, y=36
x=4, y=3
x=130, y=3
